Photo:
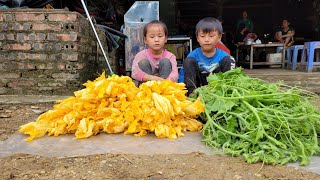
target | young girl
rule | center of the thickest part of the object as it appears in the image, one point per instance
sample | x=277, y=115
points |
x=155, y=63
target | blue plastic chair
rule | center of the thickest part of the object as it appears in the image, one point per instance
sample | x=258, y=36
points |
x=292, y=55
x=308, y=50
x=288, y=55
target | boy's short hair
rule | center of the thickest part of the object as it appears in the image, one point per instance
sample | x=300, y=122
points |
x=209, y=24
x=164, y=26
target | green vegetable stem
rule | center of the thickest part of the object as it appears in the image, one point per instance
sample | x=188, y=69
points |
x=269, y=122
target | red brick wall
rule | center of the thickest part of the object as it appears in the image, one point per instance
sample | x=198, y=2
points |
x=47, y=52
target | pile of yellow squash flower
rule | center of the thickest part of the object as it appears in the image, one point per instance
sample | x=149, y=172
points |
x=116, y=105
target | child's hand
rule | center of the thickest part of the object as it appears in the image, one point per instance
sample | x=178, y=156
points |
x=156, y=78
x=151, y=78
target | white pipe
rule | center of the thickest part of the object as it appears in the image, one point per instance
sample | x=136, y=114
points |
x=95, y=32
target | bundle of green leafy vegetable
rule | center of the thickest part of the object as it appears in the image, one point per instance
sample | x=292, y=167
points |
x=268, y=122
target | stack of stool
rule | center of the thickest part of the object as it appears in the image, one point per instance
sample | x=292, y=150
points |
x=288, y=55
x=292, y=57
x=308, y=50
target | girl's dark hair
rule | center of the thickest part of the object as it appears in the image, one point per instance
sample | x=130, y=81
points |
x=209, y=24
x=157, y=22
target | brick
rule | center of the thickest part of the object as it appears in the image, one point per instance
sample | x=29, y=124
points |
x=4, y=90
x=17, y=26
x=24, y=46
x=27, y=26
x=2, y=36
x=66, y=76
x=75, y=66
x=41, y=37
x=44, y=27
x=93, y=43
x=25, y=66
x=83, y=40
x=74, y=46
x=61, y=48
x=29, y=91
x=32, y=37
x=21, y=47
x=70, y=47
x=37, y=37
x=3, y=67
x=8, y=75
x=71, y=27
x=30, y=17
x=52, y=84
x=21, y=37
x=46, y=88
x=8, y=17
x=38, y=56
x=10, y=36
x=5, y=81
x=61, y=66
x=47, y=47
x=58, y=46
x=43, y=74
x=21, y=83
x=25, y=56
x=51, y=37
x=79, y=66
x=6, y=47
x=4, y=27
x=8, y=56
x=92, y=58
x=37, y=46
x=73, y=83
x=44, y=66
x=67, y=37
x=70, y=57
x=55, y=57
x=62, y=17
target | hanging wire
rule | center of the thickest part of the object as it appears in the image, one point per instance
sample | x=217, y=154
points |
x=96, y=34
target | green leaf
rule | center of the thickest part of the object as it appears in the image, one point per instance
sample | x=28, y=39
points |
x=248, y=115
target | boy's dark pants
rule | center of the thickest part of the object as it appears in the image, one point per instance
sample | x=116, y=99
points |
x=193, y=78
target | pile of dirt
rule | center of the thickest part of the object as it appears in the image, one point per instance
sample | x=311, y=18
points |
x=107, y=166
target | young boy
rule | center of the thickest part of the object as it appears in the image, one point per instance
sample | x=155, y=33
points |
x=207, y=58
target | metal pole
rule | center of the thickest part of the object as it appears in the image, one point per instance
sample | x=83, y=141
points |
x=95, y=32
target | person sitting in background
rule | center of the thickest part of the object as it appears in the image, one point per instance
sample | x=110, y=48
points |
x=248, y=24
x=285, y=33
x=242, y=36
x=240, y=39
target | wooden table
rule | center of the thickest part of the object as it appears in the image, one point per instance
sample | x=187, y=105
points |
x=252, y=46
